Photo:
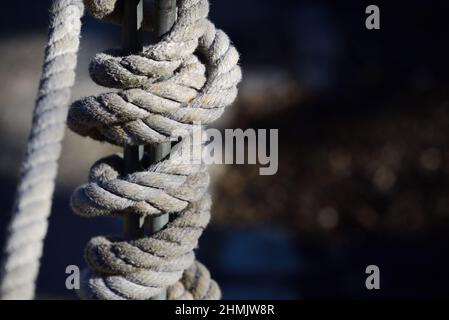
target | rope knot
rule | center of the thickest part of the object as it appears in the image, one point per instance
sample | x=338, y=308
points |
x=189, y=77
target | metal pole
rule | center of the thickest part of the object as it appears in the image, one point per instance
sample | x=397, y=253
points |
x=165, y=18
x=132, y=43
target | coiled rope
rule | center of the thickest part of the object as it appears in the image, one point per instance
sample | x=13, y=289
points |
x=188, y=77
x=28, y=225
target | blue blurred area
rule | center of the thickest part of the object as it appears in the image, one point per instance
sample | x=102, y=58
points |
x=258, y=263
x=273, y=263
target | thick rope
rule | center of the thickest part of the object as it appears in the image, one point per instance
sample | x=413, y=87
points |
x=190, y=76
x=28, y=226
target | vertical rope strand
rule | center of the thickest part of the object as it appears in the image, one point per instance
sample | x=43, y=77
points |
x=29, y=221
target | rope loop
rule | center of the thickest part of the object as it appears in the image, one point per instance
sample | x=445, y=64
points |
x=190, y=76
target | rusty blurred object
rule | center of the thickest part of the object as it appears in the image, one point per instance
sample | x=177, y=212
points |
x=388, y=172
x=267, y=92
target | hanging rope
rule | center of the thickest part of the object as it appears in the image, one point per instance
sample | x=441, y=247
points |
x=190, y=76
x=28, y=226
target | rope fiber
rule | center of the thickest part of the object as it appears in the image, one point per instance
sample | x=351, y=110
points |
x=29, y=220
x=190, y=76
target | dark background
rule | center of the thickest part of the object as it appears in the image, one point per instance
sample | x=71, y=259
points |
x=363, y=123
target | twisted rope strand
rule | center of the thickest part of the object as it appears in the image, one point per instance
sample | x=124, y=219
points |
x=29, y=220
x=190, y=76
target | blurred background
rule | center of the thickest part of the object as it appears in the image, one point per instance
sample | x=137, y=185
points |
x=363, y=119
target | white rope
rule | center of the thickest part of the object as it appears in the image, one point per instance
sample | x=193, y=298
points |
x=190, y=76
x=29, y=220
